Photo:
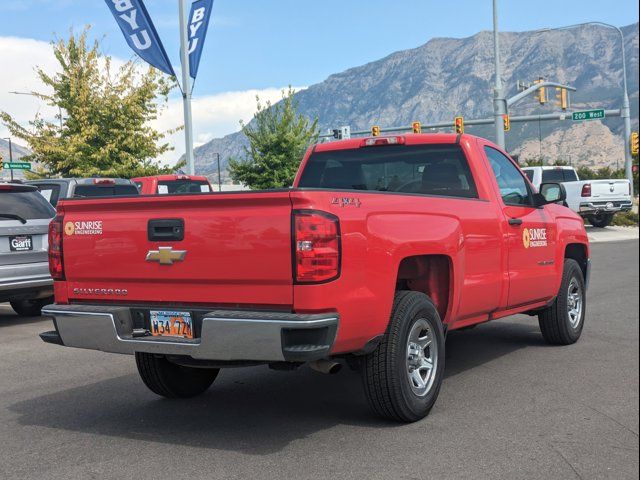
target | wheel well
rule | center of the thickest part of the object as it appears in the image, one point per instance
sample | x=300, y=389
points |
x=429, y=274
x=578, y=252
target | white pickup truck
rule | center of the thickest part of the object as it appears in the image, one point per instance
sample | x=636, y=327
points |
x=596, y=200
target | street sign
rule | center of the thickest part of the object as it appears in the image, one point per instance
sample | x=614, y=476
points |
x=587, y=115
x=17, y=165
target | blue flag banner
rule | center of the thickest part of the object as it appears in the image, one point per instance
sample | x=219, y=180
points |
x=198, y=25
x=140, y=33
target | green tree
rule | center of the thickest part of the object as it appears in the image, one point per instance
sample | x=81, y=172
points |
x=278, y=138
x=105, y=127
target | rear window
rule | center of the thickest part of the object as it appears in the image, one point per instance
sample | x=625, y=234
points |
x=419, y=169
x=559, y=175
x=168, y=187
x=26, y=205
x=104, y=190
x=51, y=192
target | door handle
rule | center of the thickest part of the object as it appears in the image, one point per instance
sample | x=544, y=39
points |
x=515, y=221
x=165, y=230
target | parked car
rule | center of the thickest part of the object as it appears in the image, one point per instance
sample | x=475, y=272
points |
x=595, y=200
x=382, y=246
x=55, y=189
x=171, y=184
x=24, y=270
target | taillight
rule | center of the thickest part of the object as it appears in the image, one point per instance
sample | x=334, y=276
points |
x=586, y=190
x=316, y=246
x=56, y=267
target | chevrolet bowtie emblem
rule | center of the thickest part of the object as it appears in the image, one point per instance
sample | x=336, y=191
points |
x=165, y=255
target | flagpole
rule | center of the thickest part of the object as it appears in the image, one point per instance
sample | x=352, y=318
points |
x=186, y=86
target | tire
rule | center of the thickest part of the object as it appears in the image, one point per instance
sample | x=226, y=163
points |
x=558, y=325
x=173, y=381
x=30, y=308
x=601, y=220
x=386, y=373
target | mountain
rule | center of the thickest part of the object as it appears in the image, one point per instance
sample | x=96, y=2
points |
x=17, y=151
x=447, y=77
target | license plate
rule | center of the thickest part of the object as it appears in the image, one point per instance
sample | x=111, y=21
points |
x=170, y=324
x=21, y=243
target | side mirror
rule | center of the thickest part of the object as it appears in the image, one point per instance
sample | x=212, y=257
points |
x=551, y=193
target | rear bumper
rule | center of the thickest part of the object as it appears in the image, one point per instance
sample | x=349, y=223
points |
x=605, y=207
x=225, y=334
x=29, y=280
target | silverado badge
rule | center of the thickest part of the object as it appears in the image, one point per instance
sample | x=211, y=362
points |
x=165, y=255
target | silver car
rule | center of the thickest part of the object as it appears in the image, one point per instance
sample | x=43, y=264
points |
x=24, y=268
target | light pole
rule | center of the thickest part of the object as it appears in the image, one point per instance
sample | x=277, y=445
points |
x=10, y=156
x=35, y=95
x=219, y=178
x=626, y=113
x=499, y=102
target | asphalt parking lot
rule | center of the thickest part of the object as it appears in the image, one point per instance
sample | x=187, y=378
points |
x=511, y=407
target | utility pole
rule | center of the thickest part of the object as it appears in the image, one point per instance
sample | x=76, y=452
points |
x=219, y=178
x=499, y=102
x=186, y=86
x=10, y=156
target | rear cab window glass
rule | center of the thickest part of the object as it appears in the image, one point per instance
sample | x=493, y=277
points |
x=50, y=191
x=513, y=186
x=104, y=190
x=26, y=205
x=440, y=170
x=556, y=175
x=169, y=187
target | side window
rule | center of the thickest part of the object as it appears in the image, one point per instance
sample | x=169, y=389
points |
x=513, y=186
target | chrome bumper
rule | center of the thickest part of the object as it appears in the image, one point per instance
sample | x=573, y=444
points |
x=607, y=207
x=225, y=334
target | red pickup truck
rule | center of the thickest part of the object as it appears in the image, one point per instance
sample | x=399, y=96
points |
x=382, y=246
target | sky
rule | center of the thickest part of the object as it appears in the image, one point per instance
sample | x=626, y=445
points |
x=261, y=46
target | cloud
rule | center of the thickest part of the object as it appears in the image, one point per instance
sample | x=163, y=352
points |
x=213, y=115
x=20, y=56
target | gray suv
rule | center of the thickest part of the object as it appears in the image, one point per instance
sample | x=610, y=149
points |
x=24, y=268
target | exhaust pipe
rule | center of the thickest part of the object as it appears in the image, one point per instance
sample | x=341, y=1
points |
x=325, y=366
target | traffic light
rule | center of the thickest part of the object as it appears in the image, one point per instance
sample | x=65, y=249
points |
x=634, y=143
x=506, y=122
x=563, y=98
x=417, y=128
x=542, y=92
x=375, y=131
x=459, y=124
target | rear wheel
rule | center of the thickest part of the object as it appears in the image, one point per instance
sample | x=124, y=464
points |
x=403, y=375
x=173, y=381
x=601, y=220
x=30, y=308
x=562, y=322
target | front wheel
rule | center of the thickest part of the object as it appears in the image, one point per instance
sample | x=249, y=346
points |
x=403, y=375
x=601, y=220
x=562, y=322
x=173, y=381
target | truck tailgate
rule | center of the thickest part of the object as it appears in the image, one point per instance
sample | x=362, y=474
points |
x=609, y=188
x=237, y=250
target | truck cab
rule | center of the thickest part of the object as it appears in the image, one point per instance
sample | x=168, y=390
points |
x=56, y=189
x=172, y=184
